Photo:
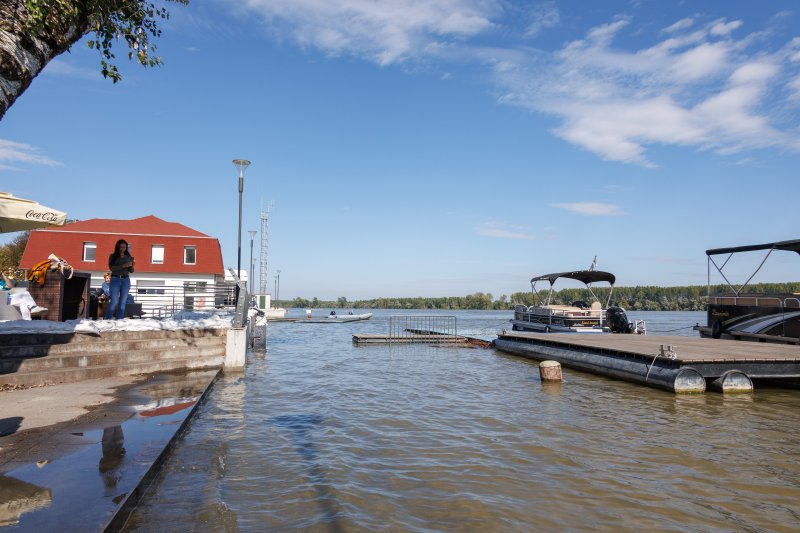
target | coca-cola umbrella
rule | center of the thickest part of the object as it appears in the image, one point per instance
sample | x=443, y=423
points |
x=18, y=214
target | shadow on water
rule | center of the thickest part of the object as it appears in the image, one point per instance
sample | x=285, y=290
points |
x=300, y=427
x=10, y=425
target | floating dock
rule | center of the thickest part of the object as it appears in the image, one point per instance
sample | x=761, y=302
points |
x=412, y=338
x=678, y=364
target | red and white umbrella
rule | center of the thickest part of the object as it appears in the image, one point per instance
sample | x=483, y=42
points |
x=18, y=214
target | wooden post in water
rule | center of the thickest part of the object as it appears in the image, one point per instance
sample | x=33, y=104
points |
x=550, y=371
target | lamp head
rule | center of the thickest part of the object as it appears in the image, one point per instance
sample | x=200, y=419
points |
x=241, y=165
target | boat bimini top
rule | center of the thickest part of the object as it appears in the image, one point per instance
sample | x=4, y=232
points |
x=587, y=277
x=788, y=246
x=584, y=276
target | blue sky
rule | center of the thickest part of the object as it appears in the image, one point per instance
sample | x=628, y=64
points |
x=437, y=147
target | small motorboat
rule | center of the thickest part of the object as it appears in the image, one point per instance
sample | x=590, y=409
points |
x=333, y=318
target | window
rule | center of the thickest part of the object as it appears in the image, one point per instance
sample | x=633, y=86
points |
x=153, y=286
x=189, y=255
x=89, y=251
x=157, y=256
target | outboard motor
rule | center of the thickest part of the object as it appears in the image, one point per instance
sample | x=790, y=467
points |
x=618, y=320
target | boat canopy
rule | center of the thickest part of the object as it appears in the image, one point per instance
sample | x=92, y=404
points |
x=584, y=276
x=790, y=246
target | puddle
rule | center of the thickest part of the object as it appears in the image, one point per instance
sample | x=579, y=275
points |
x=81, y=474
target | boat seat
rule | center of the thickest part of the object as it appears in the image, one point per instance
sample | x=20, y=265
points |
x=596, y=309
x=564, y=309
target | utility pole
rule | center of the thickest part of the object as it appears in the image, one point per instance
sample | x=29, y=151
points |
x=263, y=278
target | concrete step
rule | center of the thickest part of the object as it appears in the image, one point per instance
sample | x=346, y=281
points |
x=71, y=375
x=23, y=339
x=44, y=359
x=121, y=357
x=103, y=346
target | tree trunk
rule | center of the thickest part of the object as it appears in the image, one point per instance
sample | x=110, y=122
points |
x=23, y=53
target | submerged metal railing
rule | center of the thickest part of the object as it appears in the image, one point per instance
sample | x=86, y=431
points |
x=423, y=328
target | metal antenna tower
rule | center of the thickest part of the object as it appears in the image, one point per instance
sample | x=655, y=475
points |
x=262, y=272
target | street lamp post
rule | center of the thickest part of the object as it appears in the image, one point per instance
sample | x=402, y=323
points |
x=278, y=289
x=252, y=233
x=241, y=165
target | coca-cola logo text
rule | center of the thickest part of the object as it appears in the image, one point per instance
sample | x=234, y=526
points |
x=44, y=216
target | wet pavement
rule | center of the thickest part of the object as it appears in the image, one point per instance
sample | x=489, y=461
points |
x=69, y=456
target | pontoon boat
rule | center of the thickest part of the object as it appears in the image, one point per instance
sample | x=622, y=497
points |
x=580, y=317
x=739, y=315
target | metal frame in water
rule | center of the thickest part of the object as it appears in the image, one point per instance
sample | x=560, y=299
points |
x=423, y=328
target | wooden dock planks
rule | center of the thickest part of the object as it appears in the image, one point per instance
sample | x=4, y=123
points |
x=687, y=349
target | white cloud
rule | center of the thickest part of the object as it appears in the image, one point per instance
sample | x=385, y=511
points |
x=59, y=67
x=698, y=88
x=544, y=16
x=381, y=30
x=794, y=87
x=16, y=152
x=590, y=208
x=682, y=24
x=696, y=84
x=721, y=27
x=706, y=59
x=495, y=229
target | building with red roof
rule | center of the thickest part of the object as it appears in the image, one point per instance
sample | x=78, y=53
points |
x=166, y=253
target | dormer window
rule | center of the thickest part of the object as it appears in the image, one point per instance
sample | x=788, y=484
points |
x=157, y=255
x=189, y=255
x=89, y=251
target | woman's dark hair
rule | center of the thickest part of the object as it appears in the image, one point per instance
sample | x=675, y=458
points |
x=116, y=254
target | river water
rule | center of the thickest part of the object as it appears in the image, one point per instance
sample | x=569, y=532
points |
x=321, y=435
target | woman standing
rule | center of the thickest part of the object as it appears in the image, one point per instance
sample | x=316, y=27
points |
x=120, y=263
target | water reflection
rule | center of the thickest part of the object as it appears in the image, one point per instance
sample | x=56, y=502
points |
x=18, y=497
x=112, y=458
x=301, y=427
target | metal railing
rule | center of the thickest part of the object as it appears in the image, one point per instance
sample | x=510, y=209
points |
x=544, y=315
x=423, y=328
x=754, y=300
x=163, y=301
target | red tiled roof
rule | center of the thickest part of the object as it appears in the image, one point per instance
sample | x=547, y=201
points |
x=67, y=241
x=149, y=225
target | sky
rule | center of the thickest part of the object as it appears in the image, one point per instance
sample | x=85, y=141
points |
x=439, y=147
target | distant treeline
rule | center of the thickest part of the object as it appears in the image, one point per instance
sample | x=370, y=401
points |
x=692, y=298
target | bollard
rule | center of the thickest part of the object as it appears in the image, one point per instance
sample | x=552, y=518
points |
x=550, y=371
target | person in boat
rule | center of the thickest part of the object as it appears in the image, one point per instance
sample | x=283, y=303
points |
x=350, y=312
x=333, y=313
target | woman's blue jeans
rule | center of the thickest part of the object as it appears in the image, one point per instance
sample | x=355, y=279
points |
x=120, y=287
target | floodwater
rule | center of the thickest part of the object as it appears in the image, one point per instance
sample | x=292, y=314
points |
x=321, y=435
